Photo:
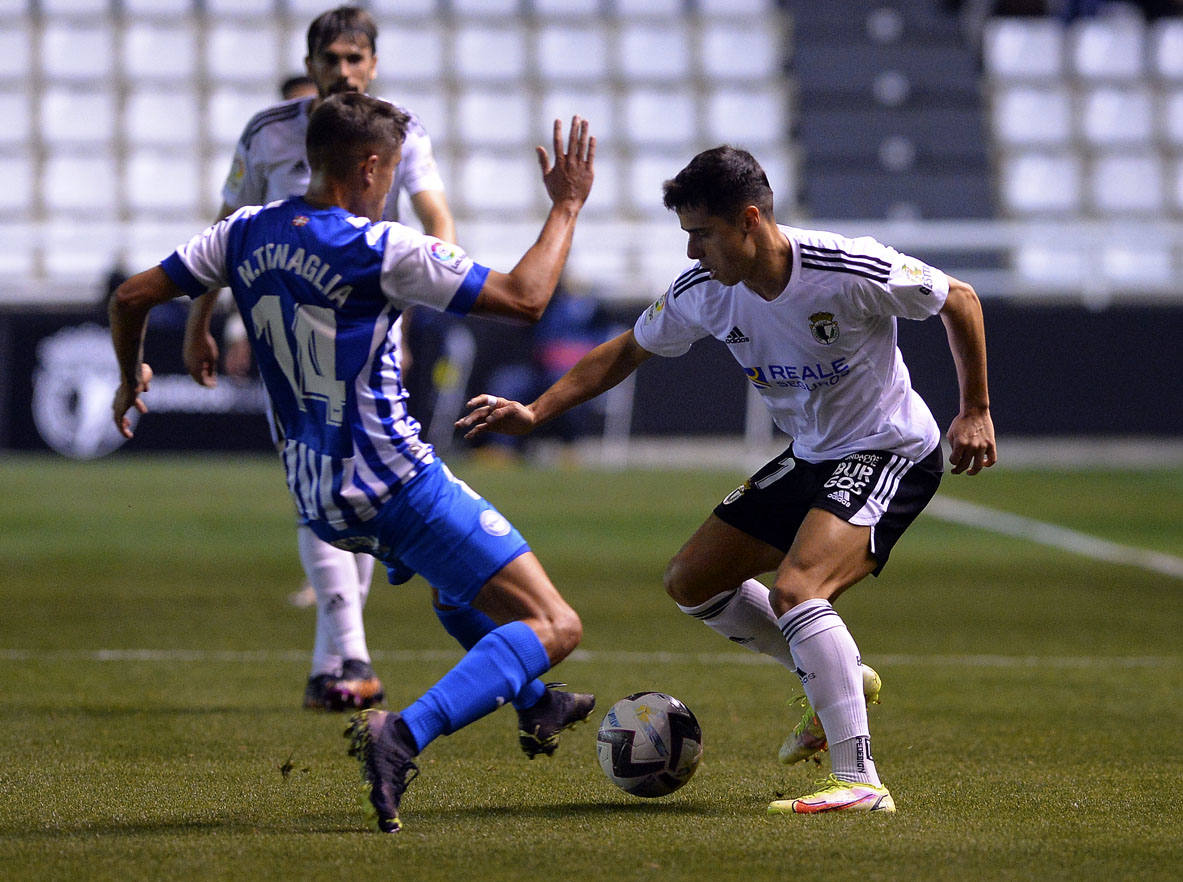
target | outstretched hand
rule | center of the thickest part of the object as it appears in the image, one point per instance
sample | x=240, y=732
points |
x=570, y=178
x=488, y=413
x=127, y=397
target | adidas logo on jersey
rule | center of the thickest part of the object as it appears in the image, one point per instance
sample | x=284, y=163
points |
x=841, y=497
x=736, y=336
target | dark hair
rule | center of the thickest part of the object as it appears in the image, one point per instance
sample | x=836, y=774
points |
x=344, y=21
x=346, y=128
x=292, y=83
x=722, y=181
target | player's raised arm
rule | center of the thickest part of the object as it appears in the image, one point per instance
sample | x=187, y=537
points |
x=971, y=434
x=525, y=291
x=597, y=372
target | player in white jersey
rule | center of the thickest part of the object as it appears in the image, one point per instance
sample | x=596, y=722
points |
x=270, y=164
x=320, y=283
x=811, y=318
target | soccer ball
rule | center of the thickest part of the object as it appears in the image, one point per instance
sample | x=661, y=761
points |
x=649, y=744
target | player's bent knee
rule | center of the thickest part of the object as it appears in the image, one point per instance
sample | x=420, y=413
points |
x=563, y=633
x=680, y=582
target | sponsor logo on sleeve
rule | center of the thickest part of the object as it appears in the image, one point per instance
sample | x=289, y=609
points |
x=918, y=274
x=448, y=255
x=655, y=310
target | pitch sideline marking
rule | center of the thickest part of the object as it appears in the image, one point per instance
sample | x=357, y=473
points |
x=184, y=656
x=970, y=514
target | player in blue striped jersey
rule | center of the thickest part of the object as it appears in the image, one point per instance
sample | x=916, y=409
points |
x=270, y=164
x=810, y=316
x=320, y=283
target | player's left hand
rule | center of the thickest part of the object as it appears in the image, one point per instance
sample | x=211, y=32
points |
x=126, y=398
x=971, y=438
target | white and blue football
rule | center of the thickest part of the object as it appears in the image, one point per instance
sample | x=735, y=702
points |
x=649, y=744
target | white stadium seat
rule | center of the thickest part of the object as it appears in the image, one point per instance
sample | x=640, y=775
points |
x=14, y=51
x=1166, y=41
x=239, y=54
x=661, y=116
x=1023, y=48
x=1170, y=117
x=1110, y=47
x=16, y=196
x=14, y=110
x=77, y=250
x=159, y=51
x=738, y=52
x=1040, y=183
x=419, y=48
x=1127, y=183
x=466, y=9
x=222, y=9
x=567, y=52
x=1115, y=116
x=1030, y=115
x=162, y=116
x=484, y=54
x=81, y=182
x=159, y=180
x=73, y=7
x=77, y=52
x=76, y=115
x=647, y=9
x=648, y=53
x=747, y=116
x=597, y=105
x=493, y=117
x=158, y=8
x=496, y=183
x=566, y=8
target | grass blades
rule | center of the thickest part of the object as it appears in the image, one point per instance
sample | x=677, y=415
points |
x=151, y=673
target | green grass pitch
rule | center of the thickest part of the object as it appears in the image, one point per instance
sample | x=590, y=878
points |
x=151, y=673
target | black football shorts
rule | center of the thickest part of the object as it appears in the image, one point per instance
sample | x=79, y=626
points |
x=872, y=488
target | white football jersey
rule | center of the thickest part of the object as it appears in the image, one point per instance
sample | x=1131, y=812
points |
x=823, y=354
x=270, y=162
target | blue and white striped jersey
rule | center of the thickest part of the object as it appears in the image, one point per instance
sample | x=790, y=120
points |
x=823, y=354
x=320, y=290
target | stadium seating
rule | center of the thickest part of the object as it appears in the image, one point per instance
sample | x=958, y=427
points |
x=127, y=112
x=1087, y=124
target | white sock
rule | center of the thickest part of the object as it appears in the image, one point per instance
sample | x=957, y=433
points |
x=334, y=576
x=828, y=663
x=745, y=616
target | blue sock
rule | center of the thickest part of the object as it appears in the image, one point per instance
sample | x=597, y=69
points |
x=468, y=625
x=493, y=671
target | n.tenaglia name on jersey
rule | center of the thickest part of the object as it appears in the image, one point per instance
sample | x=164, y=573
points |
x=803, y=376
x=306, y=265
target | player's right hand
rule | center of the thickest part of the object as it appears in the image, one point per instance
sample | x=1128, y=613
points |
x=570, y=178
x=488, y=413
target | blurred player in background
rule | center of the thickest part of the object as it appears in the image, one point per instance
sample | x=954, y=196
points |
x=810, y=316
x=270, y=164
x=320, y=283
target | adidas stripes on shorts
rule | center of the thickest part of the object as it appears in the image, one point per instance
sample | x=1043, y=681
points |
x=872, y=488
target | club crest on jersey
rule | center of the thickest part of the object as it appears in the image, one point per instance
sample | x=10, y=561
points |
x=824, y=327
x=448, y=255
x=655, y=310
